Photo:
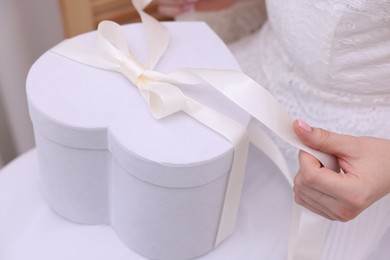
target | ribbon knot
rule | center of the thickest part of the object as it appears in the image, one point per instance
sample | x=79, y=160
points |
x=162, y=97
x=112, y=46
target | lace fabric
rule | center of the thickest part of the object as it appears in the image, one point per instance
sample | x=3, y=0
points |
x=353, y=97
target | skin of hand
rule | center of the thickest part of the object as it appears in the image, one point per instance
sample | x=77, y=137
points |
x=365, y=162
x=172, y=8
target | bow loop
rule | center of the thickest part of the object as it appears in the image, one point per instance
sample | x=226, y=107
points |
x=163, y=98
x=112, y=45
x=111, y=33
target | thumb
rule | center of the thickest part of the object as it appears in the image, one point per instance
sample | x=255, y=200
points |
x=323, y=140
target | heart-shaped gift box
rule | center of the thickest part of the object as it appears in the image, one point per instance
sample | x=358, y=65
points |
x=105, y=159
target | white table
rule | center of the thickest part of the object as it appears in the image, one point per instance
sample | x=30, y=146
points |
x=29, y=230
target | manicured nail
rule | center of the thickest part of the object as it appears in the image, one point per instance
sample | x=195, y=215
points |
x=305, y=126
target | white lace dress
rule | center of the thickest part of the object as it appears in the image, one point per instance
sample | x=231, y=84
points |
x=328, y=62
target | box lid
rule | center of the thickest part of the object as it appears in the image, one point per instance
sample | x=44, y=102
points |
x=88, y=108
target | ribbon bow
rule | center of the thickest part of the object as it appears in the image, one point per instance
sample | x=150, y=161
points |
x=164, y=98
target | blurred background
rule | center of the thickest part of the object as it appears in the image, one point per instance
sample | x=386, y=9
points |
x=28, y=29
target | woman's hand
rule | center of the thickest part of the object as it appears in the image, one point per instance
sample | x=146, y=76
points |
x=365, y=162
x=172, y=8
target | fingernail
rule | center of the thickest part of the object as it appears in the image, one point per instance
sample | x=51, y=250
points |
x=304, y=126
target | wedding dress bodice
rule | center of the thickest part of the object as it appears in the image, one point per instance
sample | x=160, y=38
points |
x=327, y=61
x=339, y=46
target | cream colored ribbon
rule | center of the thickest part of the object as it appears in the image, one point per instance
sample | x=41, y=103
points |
x=165, y=98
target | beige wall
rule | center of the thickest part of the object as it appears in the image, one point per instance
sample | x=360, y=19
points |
x=27, y=29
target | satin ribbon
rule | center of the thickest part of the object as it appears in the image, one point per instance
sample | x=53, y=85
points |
x=164, y=98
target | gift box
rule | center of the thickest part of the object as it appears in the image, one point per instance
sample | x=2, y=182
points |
x=165, y=174
x=104, y=159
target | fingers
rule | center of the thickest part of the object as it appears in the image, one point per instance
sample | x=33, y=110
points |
x=323, y=191
x=324, y=140
x=315, y=200
x=173, y=11
x=309, y=197
x=326, y=206
x=172, y=8
x=312, y=205
x=365, y=162
x=311, y=173
x=171, y=2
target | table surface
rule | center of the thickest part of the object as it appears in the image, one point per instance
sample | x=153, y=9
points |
x=30, y=230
